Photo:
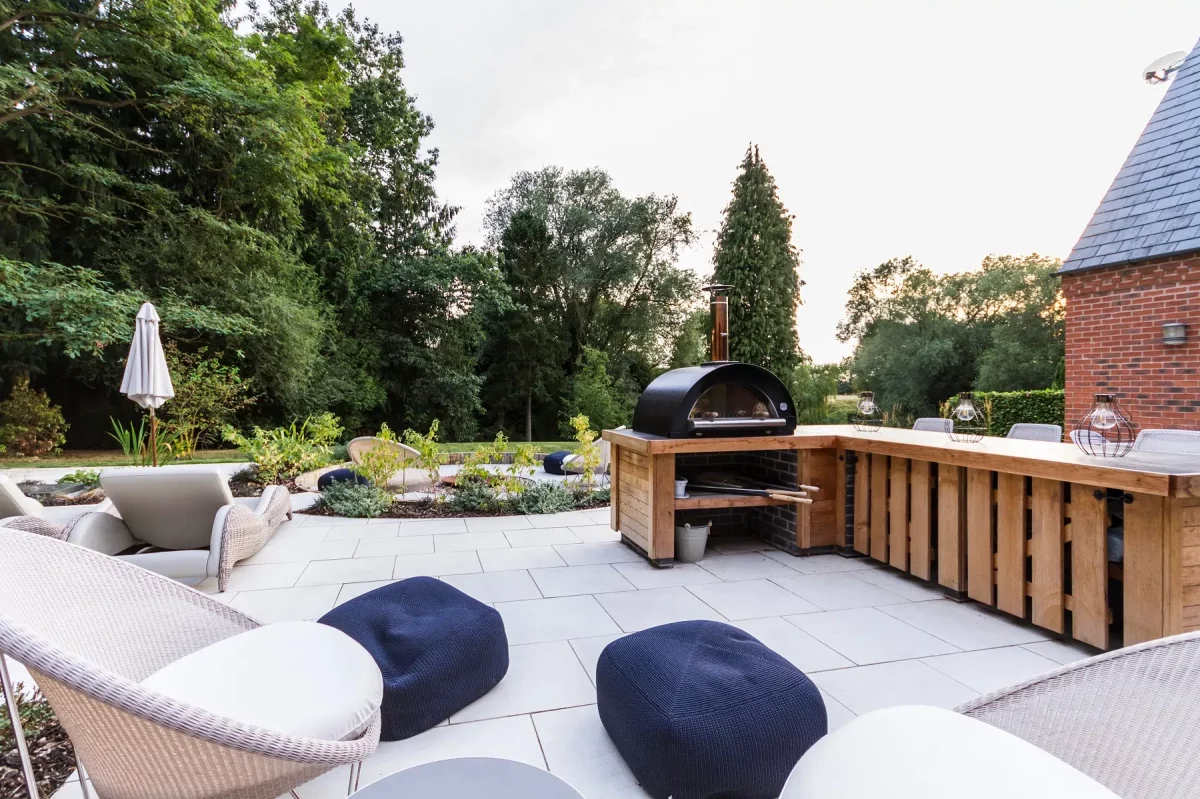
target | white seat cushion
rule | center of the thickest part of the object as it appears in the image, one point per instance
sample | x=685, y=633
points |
x=917, y=752
x=299, y=678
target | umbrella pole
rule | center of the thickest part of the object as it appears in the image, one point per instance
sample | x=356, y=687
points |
x=153, y=438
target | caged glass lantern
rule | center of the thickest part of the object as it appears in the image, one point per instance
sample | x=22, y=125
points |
x=968, y=425
x=1107, y=429
x=867, y=419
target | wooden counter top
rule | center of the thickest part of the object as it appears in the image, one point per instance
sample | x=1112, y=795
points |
x=1149, y=473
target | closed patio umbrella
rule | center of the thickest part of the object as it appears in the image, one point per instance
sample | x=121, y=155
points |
x=147, y=380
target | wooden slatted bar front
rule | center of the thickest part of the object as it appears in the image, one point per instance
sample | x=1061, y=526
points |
x=1022, y=527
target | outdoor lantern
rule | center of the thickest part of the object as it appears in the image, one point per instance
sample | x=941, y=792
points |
x=968, y=424
x=867, y=419
x=1174, y=333
x=1106, y=431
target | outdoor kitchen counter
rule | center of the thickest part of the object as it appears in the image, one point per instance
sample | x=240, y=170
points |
x=1021, y=526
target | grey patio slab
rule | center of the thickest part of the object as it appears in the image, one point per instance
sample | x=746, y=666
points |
x=751, y=599
x=838, y=591
x=558, y=619
x=496, y=586
x=987, y=670
x=964, y=624
x=544, y=676
x=573, y=580
x=865, y=635
x=637, y=610
x=906, y=682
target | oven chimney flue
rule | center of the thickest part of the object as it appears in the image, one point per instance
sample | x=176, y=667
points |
x=718, y=344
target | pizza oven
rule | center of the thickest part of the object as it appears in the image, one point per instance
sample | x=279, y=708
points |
x=718, y=398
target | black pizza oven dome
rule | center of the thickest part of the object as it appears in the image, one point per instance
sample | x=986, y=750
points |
x=715, y=399
x=718, y=398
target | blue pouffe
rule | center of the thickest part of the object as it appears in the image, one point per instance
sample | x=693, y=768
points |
x=701, y=710
x=439, y=650
x=341, y=476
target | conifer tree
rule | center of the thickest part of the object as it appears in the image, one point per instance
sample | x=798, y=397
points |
x=754, y=254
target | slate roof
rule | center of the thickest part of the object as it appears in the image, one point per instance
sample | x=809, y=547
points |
x=1152, y=208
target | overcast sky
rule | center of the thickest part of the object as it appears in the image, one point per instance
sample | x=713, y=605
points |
x=941, y=130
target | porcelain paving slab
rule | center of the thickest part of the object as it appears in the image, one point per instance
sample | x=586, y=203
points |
x=579, y=750
x=822, y=564
x=644, y=576
x=589, y=554
x=461, y=542
x=541, y=537
x=838, y=591
x=432, y=526
x=512, y=738
x=544, y=676
x=596, y=533
x=437, y=564
x=502, y=560
x=360, y=531
x=353, y=590
x=400, y=545
x=798, y=647
x=900, y=584
x=865, y=635
x=750, y=566
x=351, y=570
x=906, y=682
x=637, y=610
x=573, y=580
x=559, y=619
x=1061, y=652
x=987, y=670
x=287, y=604
x=588, y=650
x=285, y=551
x=265, y=575
x=964, y=624
x=751, y=599
x=496, y=586
x=494, y=524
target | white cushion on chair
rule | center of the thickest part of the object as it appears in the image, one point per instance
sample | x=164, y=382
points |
x=298, y=678
x=917, y=752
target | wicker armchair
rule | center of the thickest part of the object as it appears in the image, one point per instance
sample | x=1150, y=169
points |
x=1129, y=719
x=91, y=628
x=933, y=424
x=1030, y=431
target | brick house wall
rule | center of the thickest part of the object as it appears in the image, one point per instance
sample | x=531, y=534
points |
x=1114, y=341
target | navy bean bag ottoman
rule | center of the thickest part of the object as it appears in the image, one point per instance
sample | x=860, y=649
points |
x=701, y=710
x=439, y=650
x=341, y=475
x=553, y=463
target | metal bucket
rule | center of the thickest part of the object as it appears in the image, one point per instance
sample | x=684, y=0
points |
x=690, y=542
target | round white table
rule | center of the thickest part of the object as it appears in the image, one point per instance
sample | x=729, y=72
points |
x=470, y=778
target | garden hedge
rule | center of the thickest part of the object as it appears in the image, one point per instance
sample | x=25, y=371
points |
x=1010, y=407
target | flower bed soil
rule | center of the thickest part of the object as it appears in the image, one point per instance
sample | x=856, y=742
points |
x=429, y=509
x=53, y=756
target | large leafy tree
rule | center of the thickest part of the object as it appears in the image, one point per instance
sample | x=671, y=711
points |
x=755, y=255
x=586, y=267
x=922, y=337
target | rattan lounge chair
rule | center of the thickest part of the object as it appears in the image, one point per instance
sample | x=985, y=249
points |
x=934, y=424
x=38, y=518
x=1030, y=431
x=409, y=478
x=97, y=634
x=1126, y=720
x=182, y=522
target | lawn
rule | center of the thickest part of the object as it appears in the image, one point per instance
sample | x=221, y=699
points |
x=80, y=458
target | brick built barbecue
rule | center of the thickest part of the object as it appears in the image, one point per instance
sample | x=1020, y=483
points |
x=1136, y=267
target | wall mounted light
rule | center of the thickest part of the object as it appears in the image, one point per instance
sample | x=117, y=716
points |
x=1174, y=333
